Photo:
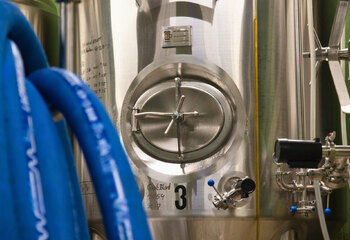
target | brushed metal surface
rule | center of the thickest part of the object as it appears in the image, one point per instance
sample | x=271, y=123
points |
x=279, y=112
x=211, y=118
x=203, y=228
x=196, y=131
x=340, y=85
x=96, y=51
x=222, y=36
x=338, y=23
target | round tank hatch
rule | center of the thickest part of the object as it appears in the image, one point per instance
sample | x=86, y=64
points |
x=181, y=120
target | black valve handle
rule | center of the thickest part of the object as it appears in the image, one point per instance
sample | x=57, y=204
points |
x=246, y=185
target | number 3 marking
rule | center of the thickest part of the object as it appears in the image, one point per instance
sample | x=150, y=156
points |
x=182, y=196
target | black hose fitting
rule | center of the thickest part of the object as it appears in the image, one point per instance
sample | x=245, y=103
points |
x=298, y=153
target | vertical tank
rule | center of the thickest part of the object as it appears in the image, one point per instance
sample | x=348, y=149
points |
x=202, y=51
x=284, y=109
x=182, y=85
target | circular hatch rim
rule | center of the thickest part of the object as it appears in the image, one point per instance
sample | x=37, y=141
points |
x=185, y=66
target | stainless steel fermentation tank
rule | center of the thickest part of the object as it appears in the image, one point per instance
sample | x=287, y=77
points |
x=180, y=80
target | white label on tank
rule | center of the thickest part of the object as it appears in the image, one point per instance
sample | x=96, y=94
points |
x=177, y=36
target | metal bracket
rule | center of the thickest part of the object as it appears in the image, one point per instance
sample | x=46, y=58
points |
x=333, y=54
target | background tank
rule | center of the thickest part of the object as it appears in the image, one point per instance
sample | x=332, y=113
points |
x=284, y=110
x=44, y=17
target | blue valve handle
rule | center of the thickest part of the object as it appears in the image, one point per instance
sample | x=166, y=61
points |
x=211, y=182
x=327, y=212
x=293, y=209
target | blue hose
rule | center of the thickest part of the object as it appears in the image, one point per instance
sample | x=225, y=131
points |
x=39, y=188
x=79, y=213
x=116, y=188
x=60, y=201
x=59, y=213
x=25, y=180
x=8, y=223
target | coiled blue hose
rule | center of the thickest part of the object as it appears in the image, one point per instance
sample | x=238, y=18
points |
x=60, y=202
x=24, y=174
x=40, y=193
x=115, y=185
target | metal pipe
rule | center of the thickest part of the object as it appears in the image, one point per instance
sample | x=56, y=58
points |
x=312, y=70
x=294, y=187
x=336, y=151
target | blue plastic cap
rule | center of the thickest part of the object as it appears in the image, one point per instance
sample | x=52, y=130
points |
x=293, y=209
x=225, y=200
x=211, y=182
x=327, y=211
x=313, y=209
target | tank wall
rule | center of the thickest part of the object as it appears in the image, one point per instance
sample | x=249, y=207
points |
x=218, y=36
x=222, y=35
x=284, y=95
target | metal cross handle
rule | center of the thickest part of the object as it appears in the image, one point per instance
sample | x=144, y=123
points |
x=165, y=114
x=176, y=114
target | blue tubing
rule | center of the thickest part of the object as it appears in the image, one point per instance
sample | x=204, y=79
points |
x=18, y=135
x=57, y=216
x=79, y=214
x=60, y=213
x=114, y=182
x=8, y=223
x=60, y=200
